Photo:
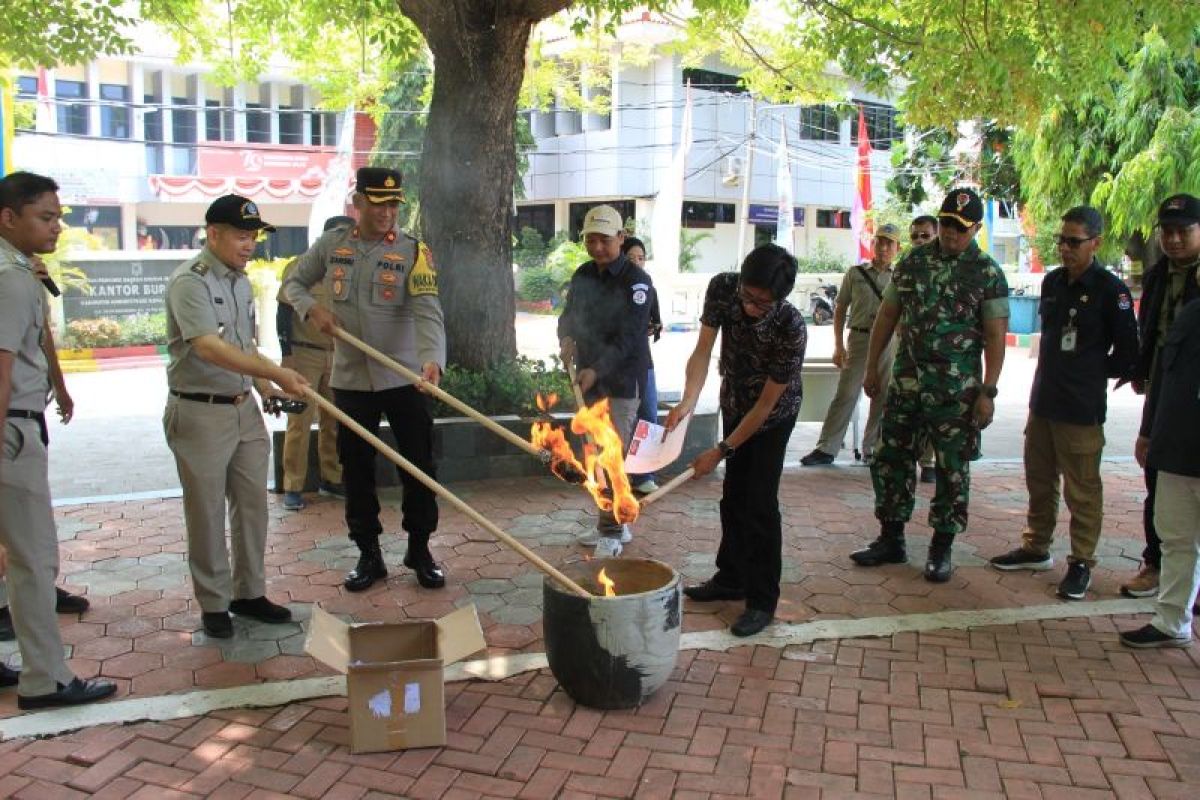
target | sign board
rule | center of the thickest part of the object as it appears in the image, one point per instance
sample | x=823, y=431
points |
x=120, y=288
x=761, y=214
x=216, y=160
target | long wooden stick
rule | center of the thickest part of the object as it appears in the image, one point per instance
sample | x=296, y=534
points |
x=600, y=476
x=446, y=494
x=445, y=397
x=674, y=483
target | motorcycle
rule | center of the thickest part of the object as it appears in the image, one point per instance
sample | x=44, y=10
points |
x=820, y=304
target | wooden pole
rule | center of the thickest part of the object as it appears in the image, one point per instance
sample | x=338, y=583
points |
x=580, y=405
x=674, y=483
x=447, y=398
x=446, y=494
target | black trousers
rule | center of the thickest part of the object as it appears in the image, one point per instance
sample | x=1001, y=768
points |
x=407, y=412
x=751, y=552
x=1152, y=555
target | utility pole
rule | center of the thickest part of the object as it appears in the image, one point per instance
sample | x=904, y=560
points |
x=743, y=217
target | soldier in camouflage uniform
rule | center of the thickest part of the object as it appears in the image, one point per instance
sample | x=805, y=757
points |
x=948, y=303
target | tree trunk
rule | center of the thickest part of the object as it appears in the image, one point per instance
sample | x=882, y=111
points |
x=468, y=164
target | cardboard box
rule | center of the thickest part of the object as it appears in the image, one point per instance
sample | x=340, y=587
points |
x=394, y=674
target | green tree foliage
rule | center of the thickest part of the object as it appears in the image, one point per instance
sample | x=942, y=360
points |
x=42, y=33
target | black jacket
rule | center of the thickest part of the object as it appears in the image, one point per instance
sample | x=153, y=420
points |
x=1172, y=411
x=1155, y=286
x=1073, y=387
x=607, y=313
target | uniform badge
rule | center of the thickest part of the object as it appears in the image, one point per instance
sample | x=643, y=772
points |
x=339, y=273
x=1123, y=302
x=1174, y=204
x=388, y=293
x=423, y=279
x=390, y=238
x=337, y=287
x=387, y=276
x=1083, y=299
x=961, y=200
x=639, y=297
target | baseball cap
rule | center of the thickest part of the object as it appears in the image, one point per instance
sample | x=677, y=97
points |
x=237, y=212
x=604, y=220
x=963, y=206
x=1179, y=209
x=888, y=231
x=378, y=184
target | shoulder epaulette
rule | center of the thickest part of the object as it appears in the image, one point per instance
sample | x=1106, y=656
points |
x=200, y=268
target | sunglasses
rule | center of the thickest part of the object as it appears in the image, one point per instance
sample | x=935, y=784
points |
x=1071, y=242
x=923, y=236
x=953, y=224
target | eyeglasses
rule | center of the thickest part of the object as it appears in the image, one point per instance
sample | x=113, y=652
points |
x=754, y=302
x=1071, y=241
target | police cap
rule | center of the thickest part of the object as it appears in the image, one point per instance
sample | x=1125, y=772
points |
x=379, y=184
x=963, y=206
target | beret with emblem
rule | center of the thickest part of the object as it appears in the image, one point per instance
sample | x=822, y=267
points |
x=379, y=184
x=1179, y=209
x=963, y=206
x=237, y=212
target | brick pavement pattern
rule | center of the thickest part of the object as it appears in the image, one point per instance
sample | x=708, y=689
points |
x=1027, y=710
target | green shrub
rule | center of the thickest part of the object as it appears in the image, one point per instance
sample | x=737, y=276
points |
x=536, y=283
x=144, y=329
x=530, y=250
x=510, y=387
x=822, y=258
x=86, y=333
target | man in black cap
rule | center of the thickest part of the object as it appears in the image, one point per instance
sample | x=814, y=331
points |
x=948, y=303
x=383, y=289
x=213, y=428
x=1167, y=287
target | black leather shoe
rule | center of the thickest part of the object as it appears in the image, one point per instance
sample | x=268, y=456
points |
x=261, y=609
x=928, y=474
x=7, y=632
x=887, y=549
x=9, y=676
x=751, y=622
x=370, y=569
x=710, y=591
x=67, y=603
x=75, y=693
x=938, y=567
x=429, y=574
x=217, y=624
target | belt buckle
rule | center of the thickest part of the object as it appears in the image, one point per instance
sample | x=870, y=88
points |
x=239, y=398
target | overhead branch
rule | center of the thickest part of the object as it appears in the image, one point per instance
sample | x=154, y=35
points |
x=820, y=7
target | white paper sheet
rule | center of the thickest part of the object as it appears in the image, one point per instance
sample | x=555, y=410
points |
x=649, y=451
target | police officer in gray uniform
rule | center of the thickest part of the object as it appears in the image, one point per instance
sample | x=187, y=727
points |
x=30, y=217
x=212, y=424
x=382, y=288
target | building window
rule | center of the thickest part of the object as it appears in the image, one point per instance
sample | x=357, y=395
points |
x=706, y=215
x=291, y=130
x=183, y=122
x=882, y=127
x=324, y=129
x=711, y=81
x=103, y=222
x=72, y=117
x=833, y=218
x=258, y=124
x=26, y=86
x=820, y=123
x=539, y=217
x=577, y=211
x=153, y=119
x=114, y=113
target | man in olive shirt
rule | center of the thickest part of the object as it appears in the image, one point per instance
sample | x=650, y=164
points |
x=213, y=427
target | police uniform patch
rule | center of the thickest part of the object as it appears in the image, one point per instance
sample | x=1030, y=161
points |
x=962, y=200
x=339, y=273
x=389, y=293
x=639, y=297
x=423, y=278
x=387, y=276
x=344, y=252
x=395, y=258
x=200, y=268
x=1123, y=302
x=337, y=287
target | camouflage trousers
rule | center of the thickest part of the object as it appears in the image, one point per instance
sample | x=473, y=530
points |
x=911, y=418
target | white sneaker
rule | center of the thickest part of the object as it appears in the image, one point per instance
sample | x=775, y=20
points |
x=589, y=537
x=647, y=486
x=608, y=547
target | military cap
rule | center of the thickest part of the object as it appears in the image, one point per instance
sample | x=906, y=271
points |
x=379, y=184
x=963, y=206
x=888, y=231
x=1179, y=209
x=237, y=212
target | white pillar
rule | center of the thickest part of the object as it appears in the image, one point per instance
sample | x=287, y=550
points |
x=92, y=80
x=271, y=90
x=239, y=113
x=137, y=96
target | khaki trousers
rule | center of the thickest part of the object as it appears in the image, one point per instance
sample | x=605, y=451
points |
x=850, y=383
x=1176, y=509
x=27, y=530
x=221, y=453
x=1054, y=449
x=314, y=365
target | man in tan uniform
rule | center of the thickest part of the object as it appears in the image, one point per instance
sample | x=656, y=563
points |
x=309, y=351
x=383, y=289
x=30, y=216
x=857, y=303
x=213, y=426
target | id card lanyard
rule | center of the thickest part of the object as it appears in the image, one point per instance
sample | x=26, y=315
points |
x=1070, y=333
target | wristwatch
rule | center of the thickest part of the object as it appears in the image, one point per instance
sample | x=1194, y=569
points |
x=725, y=448
x=989, y=391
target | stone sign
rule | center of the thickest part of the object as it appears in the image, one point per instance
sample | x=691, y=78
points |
x=120, y=288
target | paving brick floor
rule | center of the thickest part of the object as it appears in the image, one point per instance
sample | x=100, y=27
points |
x=1054, y=708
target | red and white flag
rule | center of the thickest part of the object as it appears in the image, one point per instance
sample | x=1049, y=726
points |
x=862, y=226
x=44, y=122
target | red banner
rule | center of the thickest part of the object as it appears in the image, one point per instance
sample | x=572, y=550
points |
x=263, y=161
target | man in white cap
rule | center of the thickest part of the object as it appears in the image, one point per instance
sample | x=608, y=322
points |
x=603, y=330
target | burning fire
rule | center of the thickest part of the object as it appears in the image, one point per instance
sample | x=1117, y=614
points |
x=603, y=457
x=610, y=586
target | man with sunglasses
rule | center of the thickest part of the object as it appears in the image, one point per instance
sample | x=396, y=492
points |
x=1089, y=334
x=1167, y=287
x=948, y=302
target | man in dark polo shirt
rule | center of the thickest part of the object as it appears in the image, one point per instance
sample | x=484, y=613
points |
x=1089, y=334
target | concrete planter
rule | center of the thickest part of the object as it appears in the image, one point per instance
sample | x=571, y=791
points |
x=465, y=451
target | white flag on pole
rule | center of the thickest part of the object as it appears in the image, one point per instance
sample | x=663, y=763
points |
x=331, y=202
x=783, y=186
x=668, y=206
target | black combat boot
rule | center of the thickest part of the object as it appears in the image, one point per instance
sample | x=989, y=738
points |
x=938, y=567
x=370, y=568
x=887, y=549
x=420, y=560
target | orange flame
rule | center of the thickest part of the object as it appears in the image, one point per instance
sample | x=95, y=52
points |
x=610, y=586
x=545, y=402
x=603, y=459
